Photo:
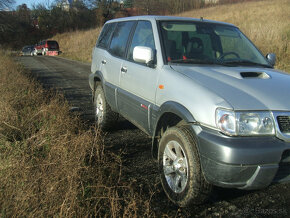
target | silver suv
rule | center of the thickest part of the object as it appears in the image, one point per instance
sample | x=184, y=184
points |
x=217, y=111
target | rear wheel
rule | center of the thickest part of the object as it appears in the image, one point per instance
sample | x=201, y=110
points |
x=105, y=117
x=180, y=170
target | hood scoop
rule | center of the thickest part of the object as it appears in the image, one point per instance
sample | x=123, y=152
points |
x=254, y=75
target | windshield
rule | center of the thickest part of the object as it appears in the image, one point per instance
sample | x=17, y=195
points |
x=52, y=43
x=206, y=43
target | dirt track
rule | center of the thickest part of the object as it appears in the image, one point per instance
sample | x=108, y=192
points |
x=71, y=79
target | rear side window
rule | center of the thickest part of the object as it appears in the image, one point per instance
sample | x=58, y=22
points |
x=120, y=38
x=105, y=35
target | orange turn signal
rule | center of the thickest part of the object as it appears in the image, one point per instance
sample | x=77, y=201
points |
x=161, y=86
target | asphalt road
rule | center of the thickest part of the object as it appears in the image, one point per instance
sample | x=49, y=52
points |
x=65, y=76
x=71, y=79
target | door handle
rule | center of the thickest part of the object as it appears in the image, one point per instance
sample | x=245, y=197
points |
x=104, y=61
x=124, y=69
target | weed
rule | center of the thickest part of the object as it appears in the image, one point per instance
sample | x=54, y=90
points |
x=50, y=165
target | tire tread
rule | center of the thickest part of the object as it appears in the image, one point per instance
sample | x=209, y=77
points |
x=199, y=189
x=109, y=117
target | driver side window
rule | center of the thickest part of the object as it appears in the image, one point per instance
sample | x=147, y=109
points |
x=143, y=36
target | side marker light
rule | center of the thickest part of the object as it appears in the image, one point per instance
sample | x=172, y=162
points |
x=161, y=86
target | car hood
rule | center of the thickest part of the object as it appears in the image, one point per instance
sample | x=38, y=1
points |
x=244, y=88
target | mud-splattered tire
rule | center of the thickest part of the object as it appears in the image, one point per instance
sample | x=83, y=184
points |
x=180, y=170
x=104, y=116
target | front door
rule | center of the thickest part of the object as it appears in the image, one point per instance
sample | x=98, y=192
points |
x=138, y=82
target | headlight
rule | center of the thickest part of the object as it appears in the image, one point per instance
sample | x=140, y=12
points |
x=245, y=123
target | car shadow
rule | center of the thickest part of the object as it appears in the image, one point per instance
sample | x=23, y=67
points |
x=226, y=194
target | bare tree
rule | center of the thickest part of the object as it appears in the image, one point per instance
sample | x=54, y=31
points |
x=4, y=4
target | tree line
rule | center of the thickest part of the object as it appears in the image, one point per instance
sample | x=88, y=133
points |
x=164, y=7
x=23, y=25
x=167, y=7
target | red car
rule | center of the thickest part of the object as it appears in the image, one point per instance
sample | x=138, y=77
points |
x=46, y=47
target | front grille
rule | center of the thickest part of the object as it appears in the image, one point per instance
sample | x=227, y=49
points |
x=284, y=123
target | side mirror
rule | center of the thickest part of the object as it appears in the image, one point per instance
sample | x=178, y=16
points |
x=143, y=55
x=271, y=57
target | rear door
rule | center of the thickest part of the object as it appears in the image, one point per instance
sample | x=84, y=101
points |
x=101, y=47
x=112, y=60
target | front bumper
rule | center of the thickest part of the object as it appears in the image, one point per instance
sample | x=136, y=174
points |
x=242, y=162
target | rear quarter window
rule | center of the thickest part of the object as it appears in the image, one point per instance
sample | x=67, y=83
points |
x=105, y=35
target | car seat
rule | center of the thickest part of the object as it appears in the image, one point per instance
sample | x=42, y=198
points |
x=194, y=48
x=171, y=51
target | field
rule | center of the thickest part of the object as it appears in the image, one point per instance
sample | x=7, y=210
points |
x=265, y=22
x=40, y=161
x=78, y=45
x=51, y=164
x=44, y=172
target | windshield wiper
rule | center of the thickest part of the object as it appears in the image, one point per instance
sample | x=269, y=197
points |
x=244, y=62
x=192, y=61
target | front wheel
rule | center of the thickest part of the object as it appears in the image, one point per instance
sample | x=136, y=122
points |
x=180, y=169
x=105, y=117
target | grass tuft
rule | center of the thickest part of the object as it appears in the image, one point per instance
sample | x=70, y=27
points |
x=78, y=45
x=50, y=165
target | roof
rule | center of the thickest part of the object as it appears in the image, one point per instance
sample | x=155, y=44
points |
x=155, y=18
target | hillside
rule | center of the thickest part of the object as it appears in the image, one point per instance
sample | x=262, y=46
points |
x=78, y=45
x=266, y=23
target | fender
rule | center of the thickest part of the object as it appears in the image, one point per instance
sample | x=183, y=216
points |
x=93, y=77
x=169, y=107
x=177, y=109
x=110, y=98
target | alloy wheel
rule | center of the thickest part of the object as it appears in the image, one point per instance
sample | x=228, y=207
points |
x=99, y=108
x=175, y=166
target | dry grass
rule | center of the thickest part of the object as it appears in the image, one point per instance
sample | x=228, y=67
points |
x=78, y=45
x=49, y=164
x=266, y=23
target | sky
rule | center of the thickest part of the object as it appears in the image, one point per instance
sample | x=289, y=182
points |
x=30, y=3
